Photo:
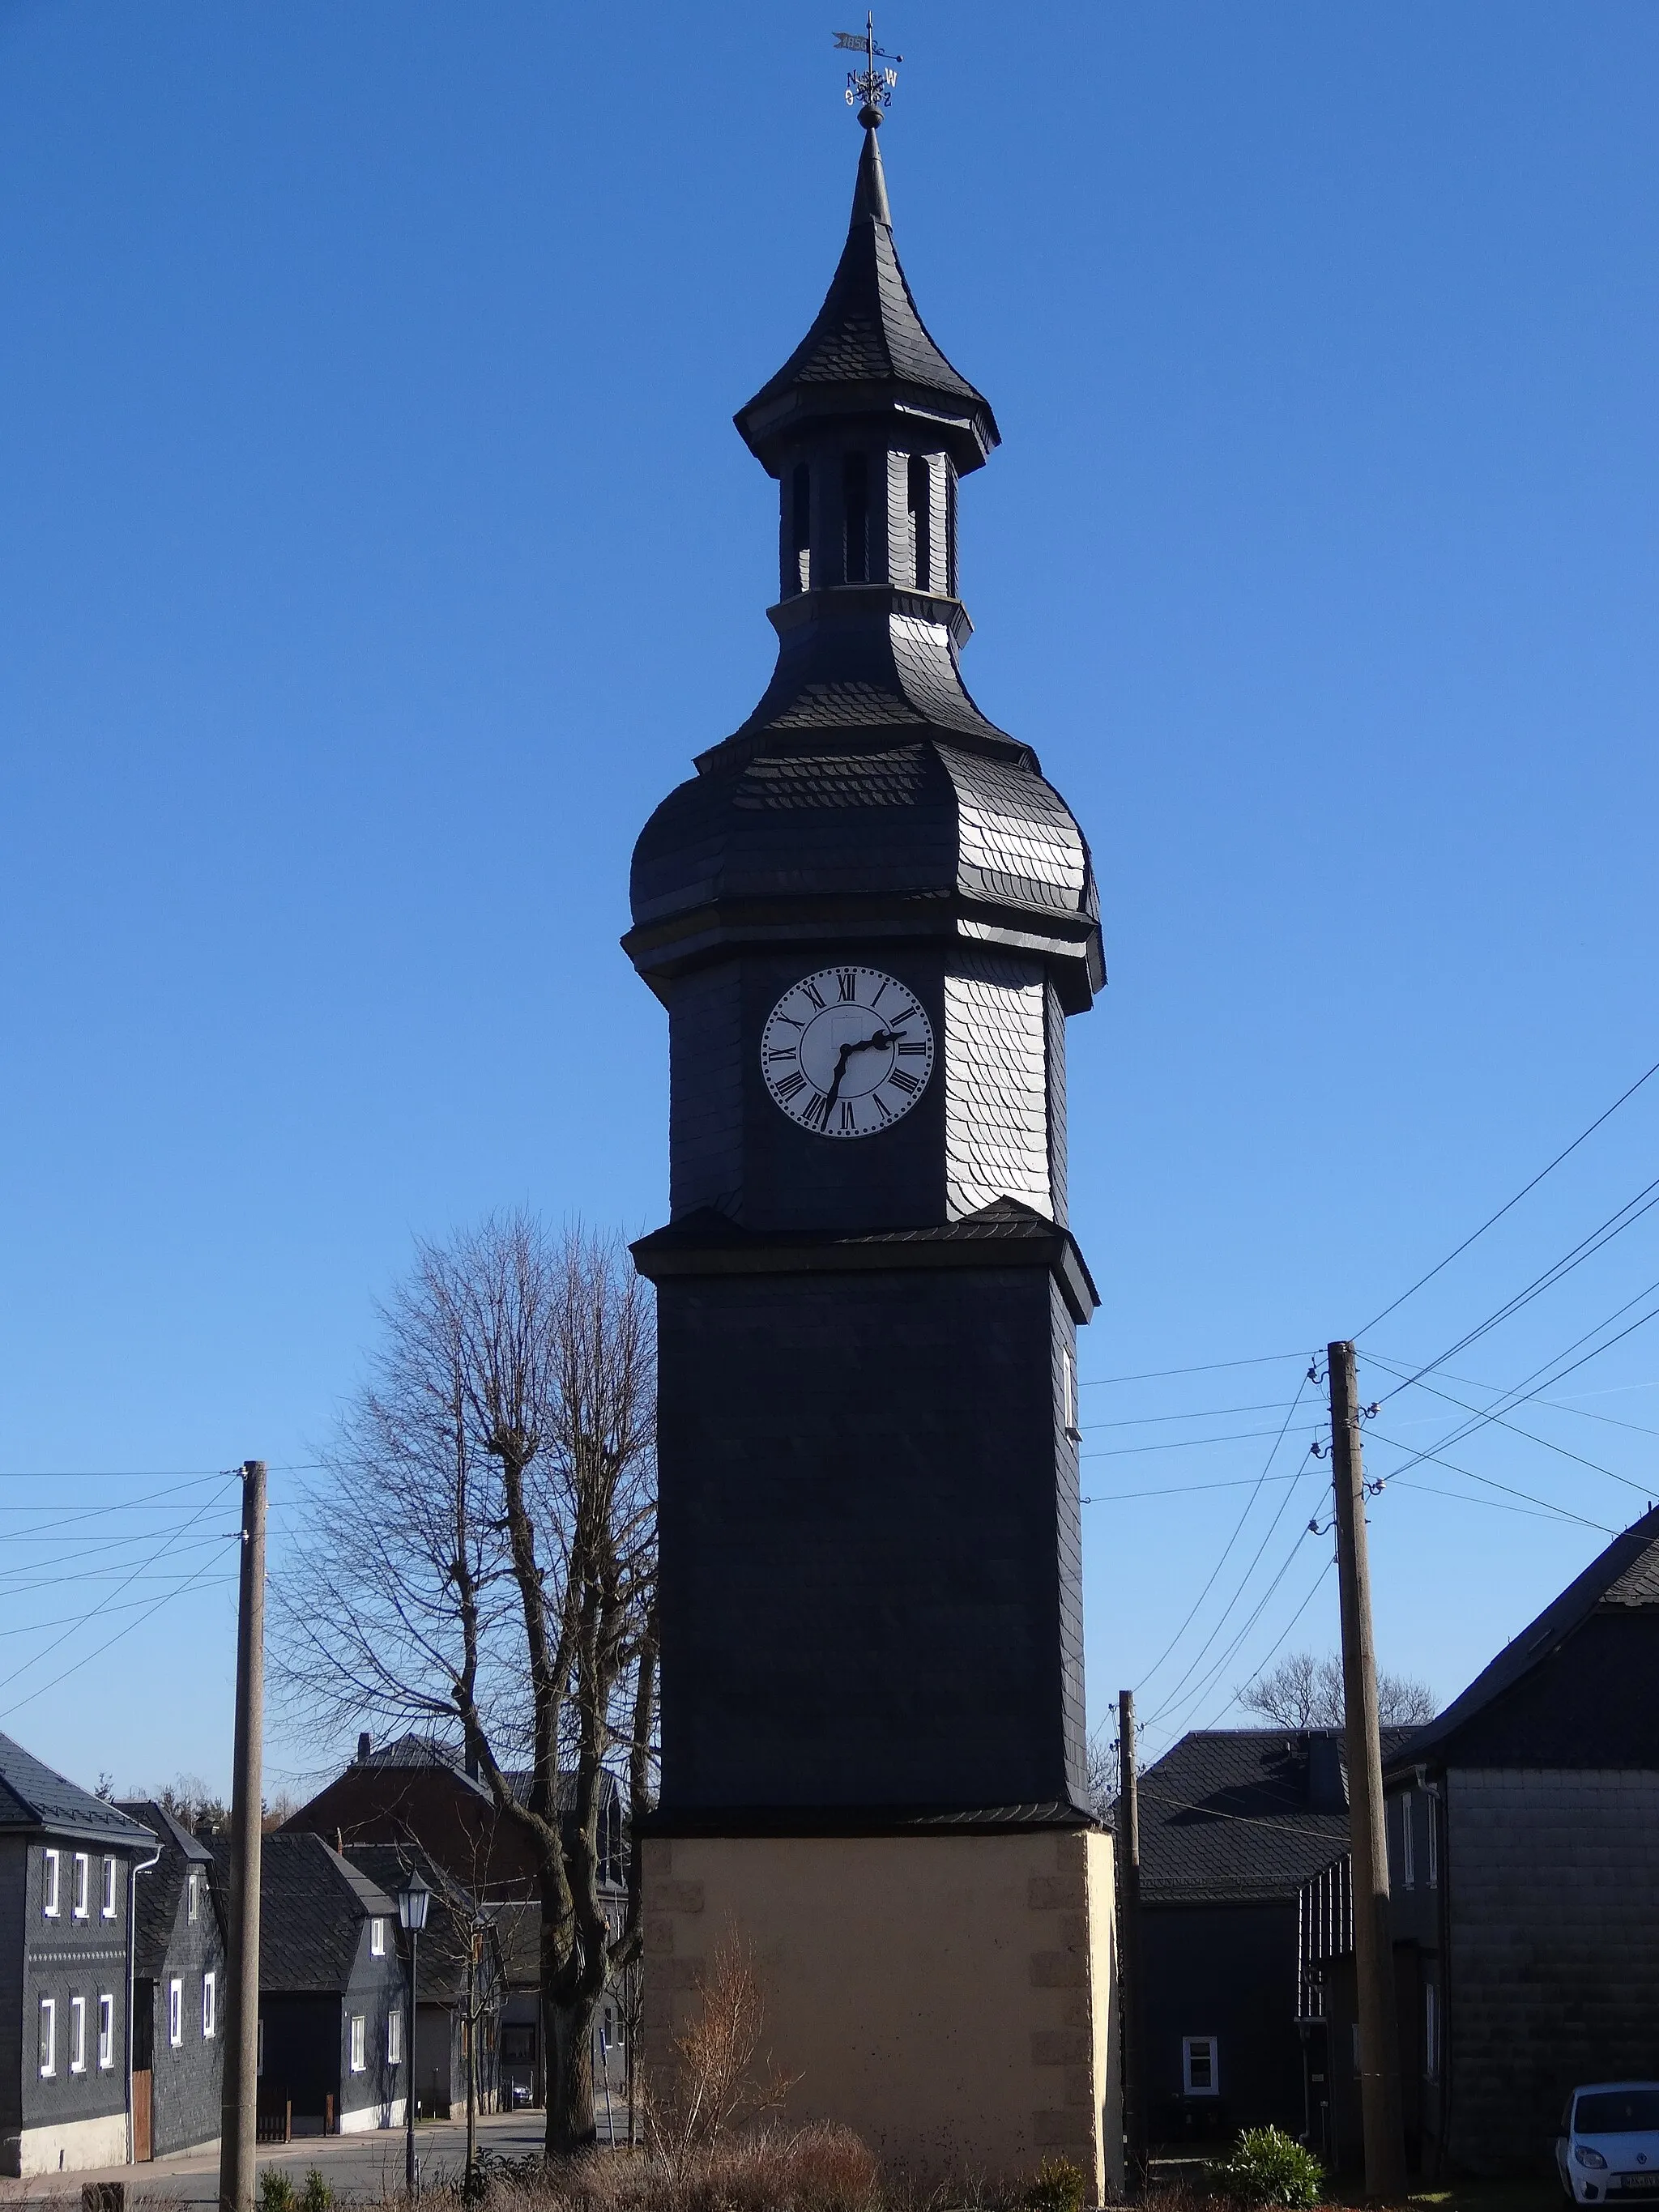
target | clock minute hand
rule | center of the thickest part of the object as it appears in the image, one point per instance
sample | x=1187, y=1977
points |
x=882, y=1038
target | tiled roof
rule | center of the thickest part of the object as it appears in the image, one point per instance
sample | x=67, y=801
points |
x=1244, y=1814
x=312, y=1904
x=421, y=1751
x=33, y=1796
x=1622, y=1579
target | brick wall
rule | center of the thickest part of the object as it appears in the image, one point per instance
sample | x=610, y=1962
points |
x=1554, y=1882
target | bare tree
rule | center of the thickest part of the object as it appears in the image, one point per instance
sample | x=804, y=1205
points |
x=483, y=1563
x=1304, y=1693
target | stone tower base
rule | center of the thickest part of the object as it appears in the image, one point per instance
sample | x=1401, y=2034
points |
x=952, y=1998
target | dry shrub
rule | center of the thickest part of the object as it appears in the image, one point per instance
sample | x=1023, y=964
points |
x=720, y=2079
x=812, y=2169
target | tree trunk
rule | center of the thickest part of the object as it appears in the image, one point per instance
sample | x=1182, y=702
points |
x=570, y=2126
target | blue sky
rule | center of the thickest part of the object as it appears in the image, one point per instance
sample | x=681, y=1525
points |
x=378, y=549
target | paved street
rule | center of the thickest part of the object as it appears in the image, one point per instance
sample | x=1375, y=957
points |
x=365, y=2167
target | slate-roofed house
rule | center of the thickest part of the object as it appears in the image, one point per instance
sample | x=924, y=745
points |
x=419, y=1792
x=66, y=1871
x=458, y=1932
x=1526, y=1901
x=331, y=2024
x=178, y=1991
x=1234, y=1823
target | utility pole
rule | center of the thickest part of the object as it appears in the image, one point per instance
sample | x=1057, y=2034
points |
x=1373, y=1937
x=1128, y=1945
x=239, y=2131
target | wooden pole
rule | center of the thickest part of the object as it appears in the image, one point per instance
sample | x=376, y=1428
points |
x=238, y=2128
x=1128, y=1945
x=1373, y=1936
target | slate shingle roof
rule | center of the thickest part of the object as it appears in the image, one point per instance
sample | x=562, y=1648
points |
x=869, y=339
x=1241, y=1814
x=1622, y=1580
x=160, y=1886
x=33, y=1796
x=313, y=1904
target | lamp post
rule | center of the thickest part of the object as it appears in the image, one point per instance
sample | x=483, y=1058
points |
x=413, y=1899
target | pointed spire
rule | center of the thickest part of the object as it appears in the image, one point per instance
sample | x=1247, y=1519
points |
x=868, y=350
x=870, y=195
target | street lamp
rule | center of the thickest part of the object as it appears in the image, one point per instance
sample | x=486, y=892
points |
x=413, y=1899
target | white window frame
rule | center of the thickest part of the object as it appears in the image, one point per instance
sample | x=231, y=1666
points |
x=210, y=2006
x=81, y=1903
x=1210, y=2046
x=77, y=2035
x=48, y=2037
x=106, y=2033
x=358, y=2043
x=176, y=2013
x=394, y=2036
x=1068, y=1392
x=377, y=1936
x=51, y=1864
x=195, y=1892
x=1433, y=1804
x=1407, y=1841
x=110, y=1907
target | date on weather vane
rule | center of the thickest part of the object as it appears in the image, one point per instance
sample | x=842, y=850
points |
x=872, y=87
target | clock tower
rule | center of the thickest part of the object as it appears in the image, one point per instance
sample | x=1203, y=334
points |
x=868, y=916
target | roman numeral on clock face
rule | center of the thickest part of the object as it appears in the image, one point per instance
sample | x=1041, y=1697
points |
x=790, y=1084
x=816, y=1113
x=901, y=1079
x=848, y=981
x=813, y=993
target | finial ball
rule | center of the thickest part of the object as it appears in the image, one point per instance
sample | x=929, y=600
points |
x=870, y=117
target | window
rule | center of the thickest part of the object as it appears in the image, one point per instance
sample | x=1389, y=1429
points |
x=855, y=518
x=394, y=2038
x=1068, y=1392
x=176, y=2014
x=1432, y=1802
x=77, y=2035
x=48, y=2037
x=83, y=1876
x=801, y=528
x=195, y=1892
x=210, y=2006
x=108, y=1907
x=358, y=2043
x=377, y=1938
x=919, y=517
x=1430, y=2034
x=1199, y=2070
x=49, y=1865
x=106, y=2033
x=950, y=532
x=259, y=2054
x=1408, y=1842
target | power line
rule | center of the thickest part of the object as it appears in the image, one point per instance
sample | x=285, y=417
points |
x=1487, y=1504
x=1186, y=1489
x=1515, y=1429
x=1260, y=1664
x=1492, y=1483
x=1511, y=1203
x=1209, y=1414
x=1210, y=1367
x=1249, y=1502
x=1186, y=1444
x=87, y=1658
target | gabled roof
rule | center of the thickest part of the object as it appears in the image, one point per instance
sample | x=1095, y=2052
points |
x=156, y=1908
x=33, y=1796
x=413, y=1751
x=1236, y=1815
x=1623, y=1581
x=313, y=1904
x=868, y=347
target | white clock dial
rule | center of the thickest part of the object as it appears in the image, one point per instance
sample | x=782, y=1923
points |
x=847, y=1052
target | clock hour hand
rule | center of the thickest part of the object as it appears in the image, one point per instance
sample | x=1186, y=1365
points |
x=882, y=1038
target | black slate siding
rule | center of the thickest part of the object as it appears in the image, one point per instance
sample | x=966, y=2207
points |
x=188, y=2083
x=63, y=1959
x=14, y=1853
x=1228, y=1971
x=890, y=1630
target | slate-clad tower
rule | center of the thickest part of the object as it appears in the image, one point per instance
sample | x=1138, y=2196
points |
x=868, y=916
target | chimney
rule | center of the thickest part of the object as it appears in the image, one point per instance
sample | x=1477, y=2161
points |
x=363, y=1748
x=1327, y=1780
x=472, y=1766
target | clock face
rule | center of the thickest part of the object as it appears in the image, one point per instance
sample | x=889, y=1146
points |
x=847, y=1052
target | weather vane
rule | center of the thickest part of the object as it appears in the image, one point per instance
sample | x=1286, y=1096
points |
x=871, y=88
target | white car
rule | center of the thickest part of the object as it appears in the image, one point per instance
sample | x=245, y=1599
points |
x=1609, y=2147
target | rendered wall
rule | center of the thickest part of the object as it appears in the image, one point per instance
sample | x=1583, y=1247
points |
x=953, y=1999
x=72, y=2146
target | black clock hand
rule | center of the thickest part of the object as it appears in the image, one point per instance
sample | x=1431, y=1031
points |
x=882, y=1038
x=840, y=1070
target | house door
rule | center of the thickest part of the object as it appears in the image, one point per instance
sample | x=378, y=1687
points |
x=142, y=2080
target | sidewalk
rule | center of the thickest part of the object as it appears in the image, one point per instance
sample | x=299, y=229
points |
x=363, y=2168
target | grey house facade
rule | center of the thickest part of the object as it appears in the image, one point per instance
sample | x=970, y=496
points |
x=332, y=2025
x=67, y=1862
x=178, y=1991
x=1523, y=1828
